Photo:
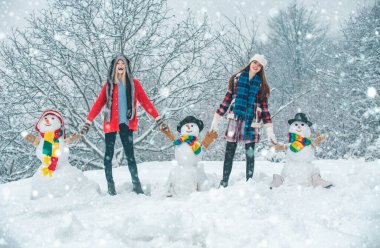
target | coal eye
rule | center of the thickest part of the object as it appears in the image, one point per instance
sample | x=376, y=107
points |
x=52, y=118
x=191, y=125
x=296, y=125
x=302, y=124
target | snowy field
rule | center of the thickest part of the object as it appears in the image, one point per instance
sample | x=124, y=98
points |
x=242, y=215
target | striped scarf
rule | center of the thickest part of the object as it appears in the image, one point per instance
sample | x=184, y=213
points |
x=245, y=98
x=191, y=140
x=298, y=142
x=49, y=151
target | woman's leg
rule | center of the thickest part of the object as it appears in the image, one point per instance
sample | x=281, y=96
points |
x=108, y=155
x=126, y=136
x=228, y=160
x=250, y=157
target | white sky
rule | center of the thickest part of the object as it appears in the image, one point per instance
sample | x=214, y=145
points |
x=331, y=12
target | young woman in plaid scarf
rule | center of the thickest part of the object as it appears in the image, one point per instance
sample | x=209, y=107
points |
x=246, y=102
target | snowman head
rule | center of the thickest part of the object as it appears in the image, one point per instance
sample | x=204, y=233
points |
x=50, y=121
x=190, y=126
x=300, y=125
x=190, y=129
x=300, y=128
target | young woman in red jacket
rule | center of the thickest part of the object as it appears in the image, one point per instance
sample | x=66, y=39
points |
x=119, y=97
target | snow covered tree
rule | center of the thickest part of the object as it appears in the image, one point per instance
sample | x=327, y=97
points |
x=360, y=82
x=296, y=41
x=299, y=64
x=60, y=61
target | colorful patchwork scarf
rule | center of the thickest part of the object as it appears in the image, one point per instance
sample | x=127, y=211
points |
x=245, y=98
x=298, y=142
x=49, y=151
x=191, y=140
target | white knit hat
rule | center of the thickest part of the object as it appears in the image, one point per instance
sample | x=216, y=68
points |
x=259, y=58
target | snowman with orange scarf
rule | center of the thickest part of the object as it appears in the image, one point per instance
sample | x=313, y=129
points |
x=55, y=177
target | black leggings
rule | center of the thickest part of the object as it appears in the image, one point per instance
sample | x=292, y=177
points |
x=126, y=136
x=229, y=156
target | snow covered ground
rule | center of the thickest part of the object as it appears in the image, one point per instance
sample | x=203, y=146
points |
x=242, y=215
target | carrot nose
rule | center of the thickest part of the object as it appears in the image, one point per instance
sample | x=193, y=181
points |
x=188, y=126
x=47, y=121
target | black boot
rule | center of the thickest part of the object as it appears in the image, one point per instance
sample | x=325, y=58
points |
x=137, y=188
x=228, y=160
x=223, y=184
x=250, y=159
x=111, y=189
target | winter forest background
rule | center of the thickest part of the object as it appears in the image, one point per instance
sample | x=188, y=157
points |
x=59, y=58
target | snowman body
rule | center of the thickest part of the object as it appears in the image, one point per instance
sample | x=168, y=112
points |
x=188, y=175
x=65, y=179
x=299, y=167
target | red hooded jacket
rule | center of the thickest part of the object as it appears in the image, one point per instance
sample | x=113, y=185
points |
x=113, y=125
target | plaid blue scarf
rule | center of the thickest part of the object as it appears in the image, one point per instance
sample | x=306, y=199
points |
x=246, y=97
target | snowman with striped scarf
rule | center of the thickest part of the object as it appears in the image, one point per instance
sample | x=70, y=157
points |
x=299, y=168
x=55, y=177
x=188, y=175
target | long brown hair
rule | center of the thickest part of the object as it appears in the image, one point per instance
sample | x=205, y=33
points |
x=264, y=91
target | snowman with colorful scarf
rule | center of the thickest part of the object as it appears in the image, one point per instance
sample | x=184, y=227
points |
x=55, y=177
x=188, y=175
x=299, y=168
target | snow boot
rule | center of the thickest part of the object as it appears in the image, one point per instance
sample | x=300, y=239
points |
x=277, y=181
x=223, y=184
x=137, y=188
x=317, y=180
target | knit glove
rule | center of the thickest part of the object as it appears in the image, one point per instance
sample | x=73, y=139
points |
x=270, y=134
x=318, y=141
x=168, y=133
x=34, y=140
x=210, y=137
x=162, y=125
x=85, y=128
x=215, y=122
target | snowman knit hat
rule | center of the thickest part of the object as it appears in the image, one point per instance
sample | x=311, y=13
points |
x=259, y=58
x=190, y=119
x=51, y=112
x=300, y=117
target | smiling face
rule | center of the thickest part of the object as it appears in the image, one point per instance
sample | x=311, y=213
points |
x=190, y=129
x=255, y=67
x=49, y=123
x=300, y=128
x=119, y=70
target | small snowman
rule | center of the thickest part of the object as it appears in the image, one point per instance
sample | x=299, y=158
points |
x=299, y=168
x=55, y=177
x=188, y=175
